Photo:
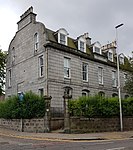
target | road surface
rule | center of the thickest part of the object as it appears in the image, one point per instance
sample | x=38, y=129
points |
x=15, y=143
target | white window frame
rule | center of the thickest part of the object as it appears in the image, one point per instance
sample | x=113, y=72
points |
x=110, y=56
x=121, y=59
x=97, y=48
x=41, y=66
x=82, y=46
x=82, y=43
x=36, y=42
x=85, y=72
x=100, y=75
x=114, y=78
x=62, y=39
x=62, y=32
x=97, y=45
x=67, y=70
x=10, y=77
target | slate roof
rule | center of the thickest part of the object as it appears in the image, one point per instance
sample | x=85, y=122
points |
x=72, y=47
x=71, y=42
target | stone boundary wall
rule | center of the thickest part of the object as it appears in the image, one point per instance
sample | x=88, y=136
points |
x=31, y=125
x=77, y=125
x=82, y=125
x=14, y=124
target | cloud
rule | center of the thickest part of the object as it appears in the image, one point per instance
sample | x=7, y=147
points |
x=97, y=17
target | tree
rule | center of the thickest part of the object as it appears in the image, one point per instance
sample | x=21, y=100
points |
x=2, y=70
x=129, y=85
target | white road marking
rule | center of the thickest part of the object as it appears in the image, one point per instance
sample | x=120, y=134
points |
x=24, y=144
x=119, y=148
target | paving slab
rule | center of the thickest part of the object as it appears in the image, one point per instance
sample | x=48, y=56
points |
x=57, y=135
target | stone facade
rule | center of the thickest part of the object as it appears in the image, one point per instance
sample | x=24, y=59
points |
x=23, y=64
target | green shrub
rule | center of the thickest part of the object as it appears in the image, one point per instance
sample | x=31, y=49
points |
x=108, y=107
x=127, y=106
x=32, y=106
x=94, y=106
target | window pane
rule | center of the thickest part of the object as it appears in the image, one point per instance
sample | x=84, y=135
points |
x=100, y=75
x=110, y=56
x=66, y=67
x=121, y=59
x=65, y=62
x=84, y=67
x=62, y=38
x=114, y=95
x=66, y=72
x=82, y=46
x=97, y=50
x=13, y=55
x=41, y=92
x=85, y=71
x=36, y=41
x=114, y=78
x=41, y=65
x=84, y=76
x=41, y=61
x=68, y=63
x=10, y=76
x=41, y=70
x=125, y=77
x=84, y=94
x=102, y=94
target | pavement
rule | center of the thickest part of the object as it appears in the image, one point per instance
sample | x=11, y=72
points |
x=60, y=136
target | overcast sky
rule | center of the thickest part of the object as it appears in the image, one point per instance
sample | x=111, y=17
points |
x=97, y=17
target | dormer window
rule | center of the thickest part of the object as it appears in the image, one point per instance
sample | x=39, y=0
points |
x=110, y=55
x=121, y=59
x=62, y=36
x=97, y=48
x=82, y=46
x=62, y=39
x=81, y=43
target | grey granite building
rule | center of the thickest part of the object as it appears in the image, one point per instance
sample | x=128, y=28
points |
x=51, y=63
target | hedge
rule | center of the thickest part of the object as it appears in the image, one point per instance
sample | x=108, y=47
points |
x=32, y=106
x=97, y=106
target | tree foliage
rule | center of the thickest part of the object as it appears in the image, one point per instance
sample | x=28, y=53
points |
x=128, y=65
x=2, y=70
x=129, y=85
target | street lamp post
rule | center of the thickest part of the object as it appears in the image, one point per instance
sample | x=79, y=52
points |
x=118, y=71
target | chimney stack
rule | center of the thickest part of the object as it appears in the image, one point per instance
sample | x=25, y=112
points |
x=26, y=18
x=88, y=39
